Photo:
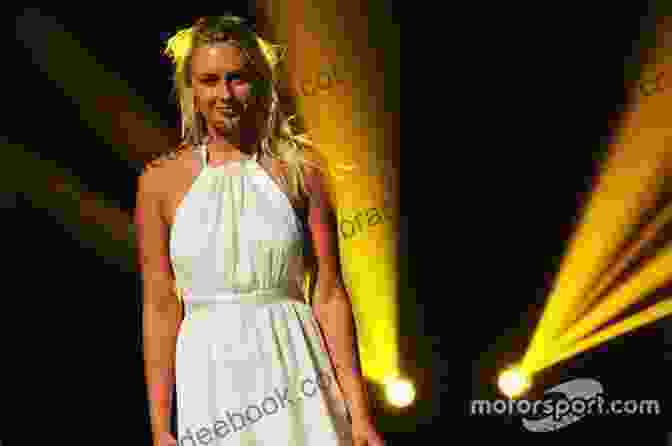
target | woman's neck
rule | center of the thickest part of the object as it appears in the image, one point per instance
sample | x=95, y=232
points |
x=221, y=149
x=229, y=143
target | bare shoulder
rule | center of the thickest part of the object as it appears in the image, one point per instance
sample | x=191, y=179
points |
x=168, y=160
x=316, y=180
x=314, y=171
x=160, y=173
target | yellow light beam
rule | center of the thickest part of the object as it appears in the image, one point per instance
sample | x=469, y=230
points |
x=112, y=109
x=88, y=217
x=648, y=234
x=628, y=187
x=107, y=102
x=651, y=314
x=342, y=101
x=652, y=275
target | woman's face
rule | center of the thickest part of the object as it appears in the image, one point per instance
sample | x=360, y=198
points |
x=221, y=84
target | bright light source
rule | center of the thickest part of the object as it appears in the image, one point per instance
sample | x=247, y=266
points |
x=399, y=392
x=513, y=382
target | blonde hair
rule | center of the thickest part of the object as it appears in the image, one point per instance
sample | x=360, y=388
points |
x=278, y=138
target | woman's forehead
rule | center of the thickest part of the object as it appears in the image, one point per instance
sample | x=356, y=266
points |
x=217, y=58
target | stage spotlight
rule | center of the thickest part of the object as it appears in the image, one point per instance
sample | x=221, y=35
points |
x=399, y=392
x=513, y=382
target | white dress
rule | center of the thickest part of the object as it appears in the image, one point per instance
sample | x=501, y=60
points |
x=251, y=363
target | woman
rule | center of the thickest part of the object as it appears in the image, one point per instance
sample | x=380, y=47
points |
x=223, y=223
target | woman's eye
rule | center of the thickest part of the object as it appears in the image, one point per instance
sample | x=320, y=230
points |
x=235, y=79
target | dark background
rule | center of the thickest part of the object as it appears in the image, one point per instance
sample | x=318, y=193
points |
x=509, y=112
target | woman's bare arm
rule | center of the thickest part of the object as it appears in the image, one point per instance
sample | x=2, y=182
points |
x=162, y=312
x=332, y=306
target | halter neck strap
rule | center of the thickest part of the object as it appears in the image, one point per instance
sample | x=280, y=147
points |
x=204, y=154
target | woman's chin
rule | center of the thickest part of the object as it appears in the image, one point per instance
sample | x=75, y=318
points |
x=224, y=126
x=227, y=123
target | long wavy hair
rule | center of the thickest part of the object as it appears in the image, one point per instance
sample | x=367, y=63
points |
x=274, y=134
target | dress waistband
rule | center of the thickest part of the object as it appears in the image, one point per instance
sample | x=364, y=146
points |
x=256, y=297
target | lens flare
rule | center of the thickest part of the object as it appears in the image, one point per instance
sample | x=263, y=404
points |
x=514, y=382
x=399, y=392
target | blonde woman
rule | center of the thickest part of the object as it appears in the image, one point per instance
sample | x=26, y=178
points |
x=228, y=225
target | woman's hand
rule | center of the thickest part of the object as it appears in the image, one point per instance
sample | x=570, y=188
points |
x=166, y=439
x=364, y=433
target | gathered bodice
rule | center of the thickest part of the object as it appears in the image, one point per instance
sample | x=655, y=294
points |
x=236, y=231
